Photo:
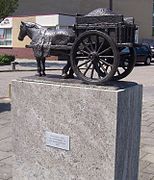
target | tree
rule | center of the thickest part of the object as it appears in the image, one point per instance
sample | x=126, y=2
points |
x=7, y=7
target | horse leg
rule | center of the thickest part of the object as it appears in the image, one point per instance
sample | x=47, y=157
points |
x=43, y=66
x=38, y=67
x=66, y=69
x=71, y=72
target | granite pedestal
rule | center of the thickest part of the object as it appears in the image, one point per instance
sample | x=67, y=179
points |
x=101, y=123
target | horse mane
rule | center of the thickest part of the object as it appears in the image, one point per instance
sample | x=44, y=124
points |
x=32, y=25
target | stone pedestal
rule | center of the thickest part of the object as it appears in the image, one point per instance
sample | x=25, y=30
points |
x=102, y=124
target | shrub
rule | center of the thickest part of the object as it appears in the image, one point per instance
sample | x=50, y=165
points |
x=6, y=59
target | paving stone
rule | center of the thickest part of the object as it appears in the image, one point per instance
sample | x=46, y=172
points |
x=5, y=171
x=149, y=157
x=4, y=121
x=142, y=154
x=4, y=155
x=148, y=141
x=145, y=176
x=145, y=123
x=148, y=149
x=152, y=125
x=6, y=145
x=149, y=169
x=146, y=129
x=146, y=118
x=5, y=132
x=143, y=165
x=8, y=160
x=147, y=134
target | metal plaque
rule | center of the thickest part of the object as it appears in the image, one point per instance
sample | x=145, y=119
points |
x=57, y=140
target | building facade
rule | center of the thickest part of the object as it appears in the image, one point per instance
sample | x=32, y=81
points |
x=141, y=10
x=51, y=13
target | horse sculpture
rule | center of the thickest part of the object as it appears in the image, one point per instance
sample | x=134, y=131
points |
x=42, y=40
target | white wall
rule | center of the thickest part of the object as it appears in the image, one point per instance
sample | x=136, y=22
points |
x=48, y=20
x=55, y=20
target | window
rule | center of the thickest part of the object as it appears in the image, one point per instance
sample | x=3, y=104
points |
x=144, y=49
x=138, y=50
x=6, y=37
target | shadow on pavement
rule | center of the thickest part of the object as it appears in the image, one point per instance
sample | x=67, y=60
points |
x=5, y=107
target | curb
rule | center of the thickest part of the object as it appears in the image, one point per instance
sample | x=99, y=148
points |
x=22, y=70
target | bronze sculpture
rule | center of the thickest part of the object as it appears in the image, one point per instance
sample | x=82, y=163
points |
x=93, y=46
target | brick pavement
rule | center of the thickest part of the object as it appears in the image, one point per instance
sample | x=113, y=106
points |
x=5, y=140
x=147, y=142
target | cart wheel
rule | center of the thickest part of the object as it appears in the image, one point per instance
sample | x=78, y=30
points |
x=94, y=57
x=126, y=65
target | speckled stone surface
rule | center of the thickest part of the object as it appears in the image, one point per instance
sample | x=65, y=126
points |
x=103, y=123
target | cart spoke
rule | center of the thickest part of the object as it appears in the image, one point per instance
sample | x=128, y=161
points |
x=86, y=47
x=107, y=67
x=100, y=47
x=99, y=71
x=82, y=57
x=126, y=64
x=85, y=52
x=106, y=50
x=118, y=72
x=84, y=63
x=91, y=43
x=124, y=67
x=106, y=56
x=87, y=69
x=97, y=43
x=92, y=72
x=101, y=65
x=105, y=62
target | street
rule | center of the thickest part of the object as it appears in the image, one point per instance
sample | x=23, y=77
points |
x=141, y=74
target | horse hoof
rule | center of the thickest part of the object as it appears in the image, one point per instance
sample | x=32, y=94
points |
x=70, y=76
x=38, y=74
x=43, y=74
x=64, y=75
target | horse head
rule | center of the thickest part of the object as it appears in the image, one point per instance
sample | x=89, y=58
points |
x=26, y=29
x=23, y=31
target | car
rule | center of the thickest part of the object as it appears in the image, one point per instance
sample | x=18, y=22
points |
x=150, y=43
x=152, y=50
x=143, y=54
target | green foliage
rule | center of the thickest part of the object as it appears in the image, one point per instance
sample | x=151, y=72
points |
x=7, y=7
x=6, y=59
